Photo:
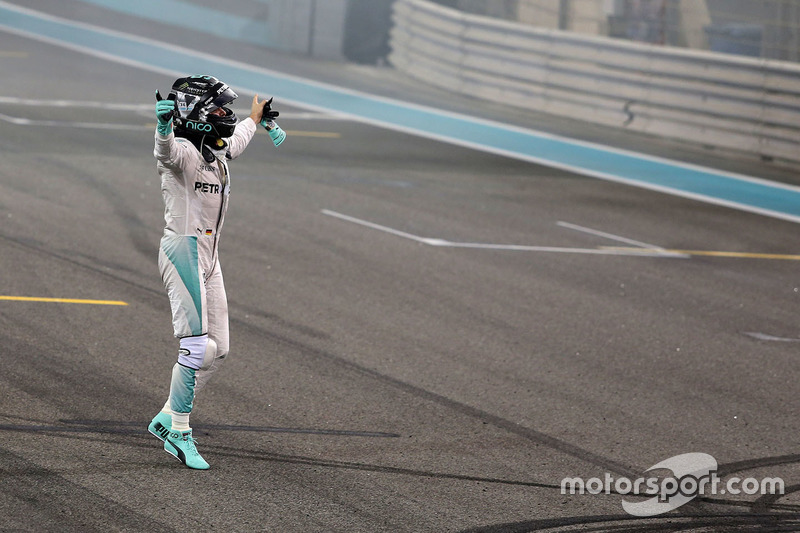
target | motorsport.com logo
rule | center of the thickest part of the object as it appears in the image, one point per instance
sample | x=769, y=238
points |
x=693, y=475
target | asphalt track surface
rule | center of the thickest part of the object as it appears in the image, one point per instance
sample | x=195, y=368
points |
x=377, y=381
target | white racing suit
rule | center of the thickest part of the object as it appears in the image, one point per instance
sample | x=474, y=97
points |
x=195, y=201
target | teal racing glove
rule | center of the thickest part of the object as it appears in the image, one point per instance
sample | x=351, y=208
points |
x=165, y=110
x=268, y=123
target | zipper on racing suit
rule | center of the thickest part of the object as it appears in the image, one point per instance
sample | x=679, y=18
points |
x=223, y=166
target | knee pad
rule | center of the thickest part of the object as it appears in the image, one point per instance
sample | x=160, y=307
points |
x=221, y=353
x=197, y=352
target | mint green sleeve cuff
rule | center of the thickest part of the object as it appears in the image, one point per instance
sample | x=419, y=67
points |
x=164, y=128
x=275, y=132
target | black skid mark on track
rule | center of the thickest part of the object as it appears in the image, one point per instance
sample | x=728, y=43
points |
x=766, y=513
x=750, y=464
x=134, y=428
x=75, y=428
x=767, y=522
x=239, y=453
x=46, y=501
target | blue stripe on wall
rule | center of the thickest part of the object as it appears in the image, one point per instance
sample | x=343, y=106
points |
x=709, y=185
x=184, y=14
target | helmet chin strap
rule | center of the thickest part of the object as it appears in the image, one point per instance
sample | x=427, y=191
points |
x=213, y=145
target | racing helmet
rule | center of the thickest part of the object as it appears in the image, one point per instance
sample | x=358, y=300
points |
x=196, y=97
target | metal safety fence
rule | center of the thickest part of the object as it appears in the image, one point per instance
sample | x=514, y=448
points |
x=757, y=28
x=748, y=105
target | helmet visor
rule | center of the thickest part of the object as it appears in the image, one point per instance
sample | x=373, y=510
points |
x=225, y=97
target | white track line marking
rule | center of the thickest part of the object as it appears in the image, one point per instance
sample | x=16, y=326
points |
x=508, y=247
x=120, y=126
x=59, y=123
x=12, y=100
x=140, y=109
x=610, y=236
x=377, y=227
x=765, y=337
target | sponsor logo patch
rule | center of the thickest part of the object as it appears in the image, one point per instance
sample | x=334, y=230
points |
x=212, y=188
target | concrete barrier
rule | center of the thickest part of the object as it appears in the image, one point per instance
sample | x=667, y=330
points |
x=710, y=99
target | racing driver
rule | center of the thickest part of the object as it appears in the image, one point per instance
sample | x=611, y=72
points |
x=196, y=136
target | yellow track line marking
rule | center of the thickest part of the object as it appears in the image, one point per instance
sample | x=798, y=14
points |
x=62, y=300
x=11, y=53
x=320, y=134
x=711, y=253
